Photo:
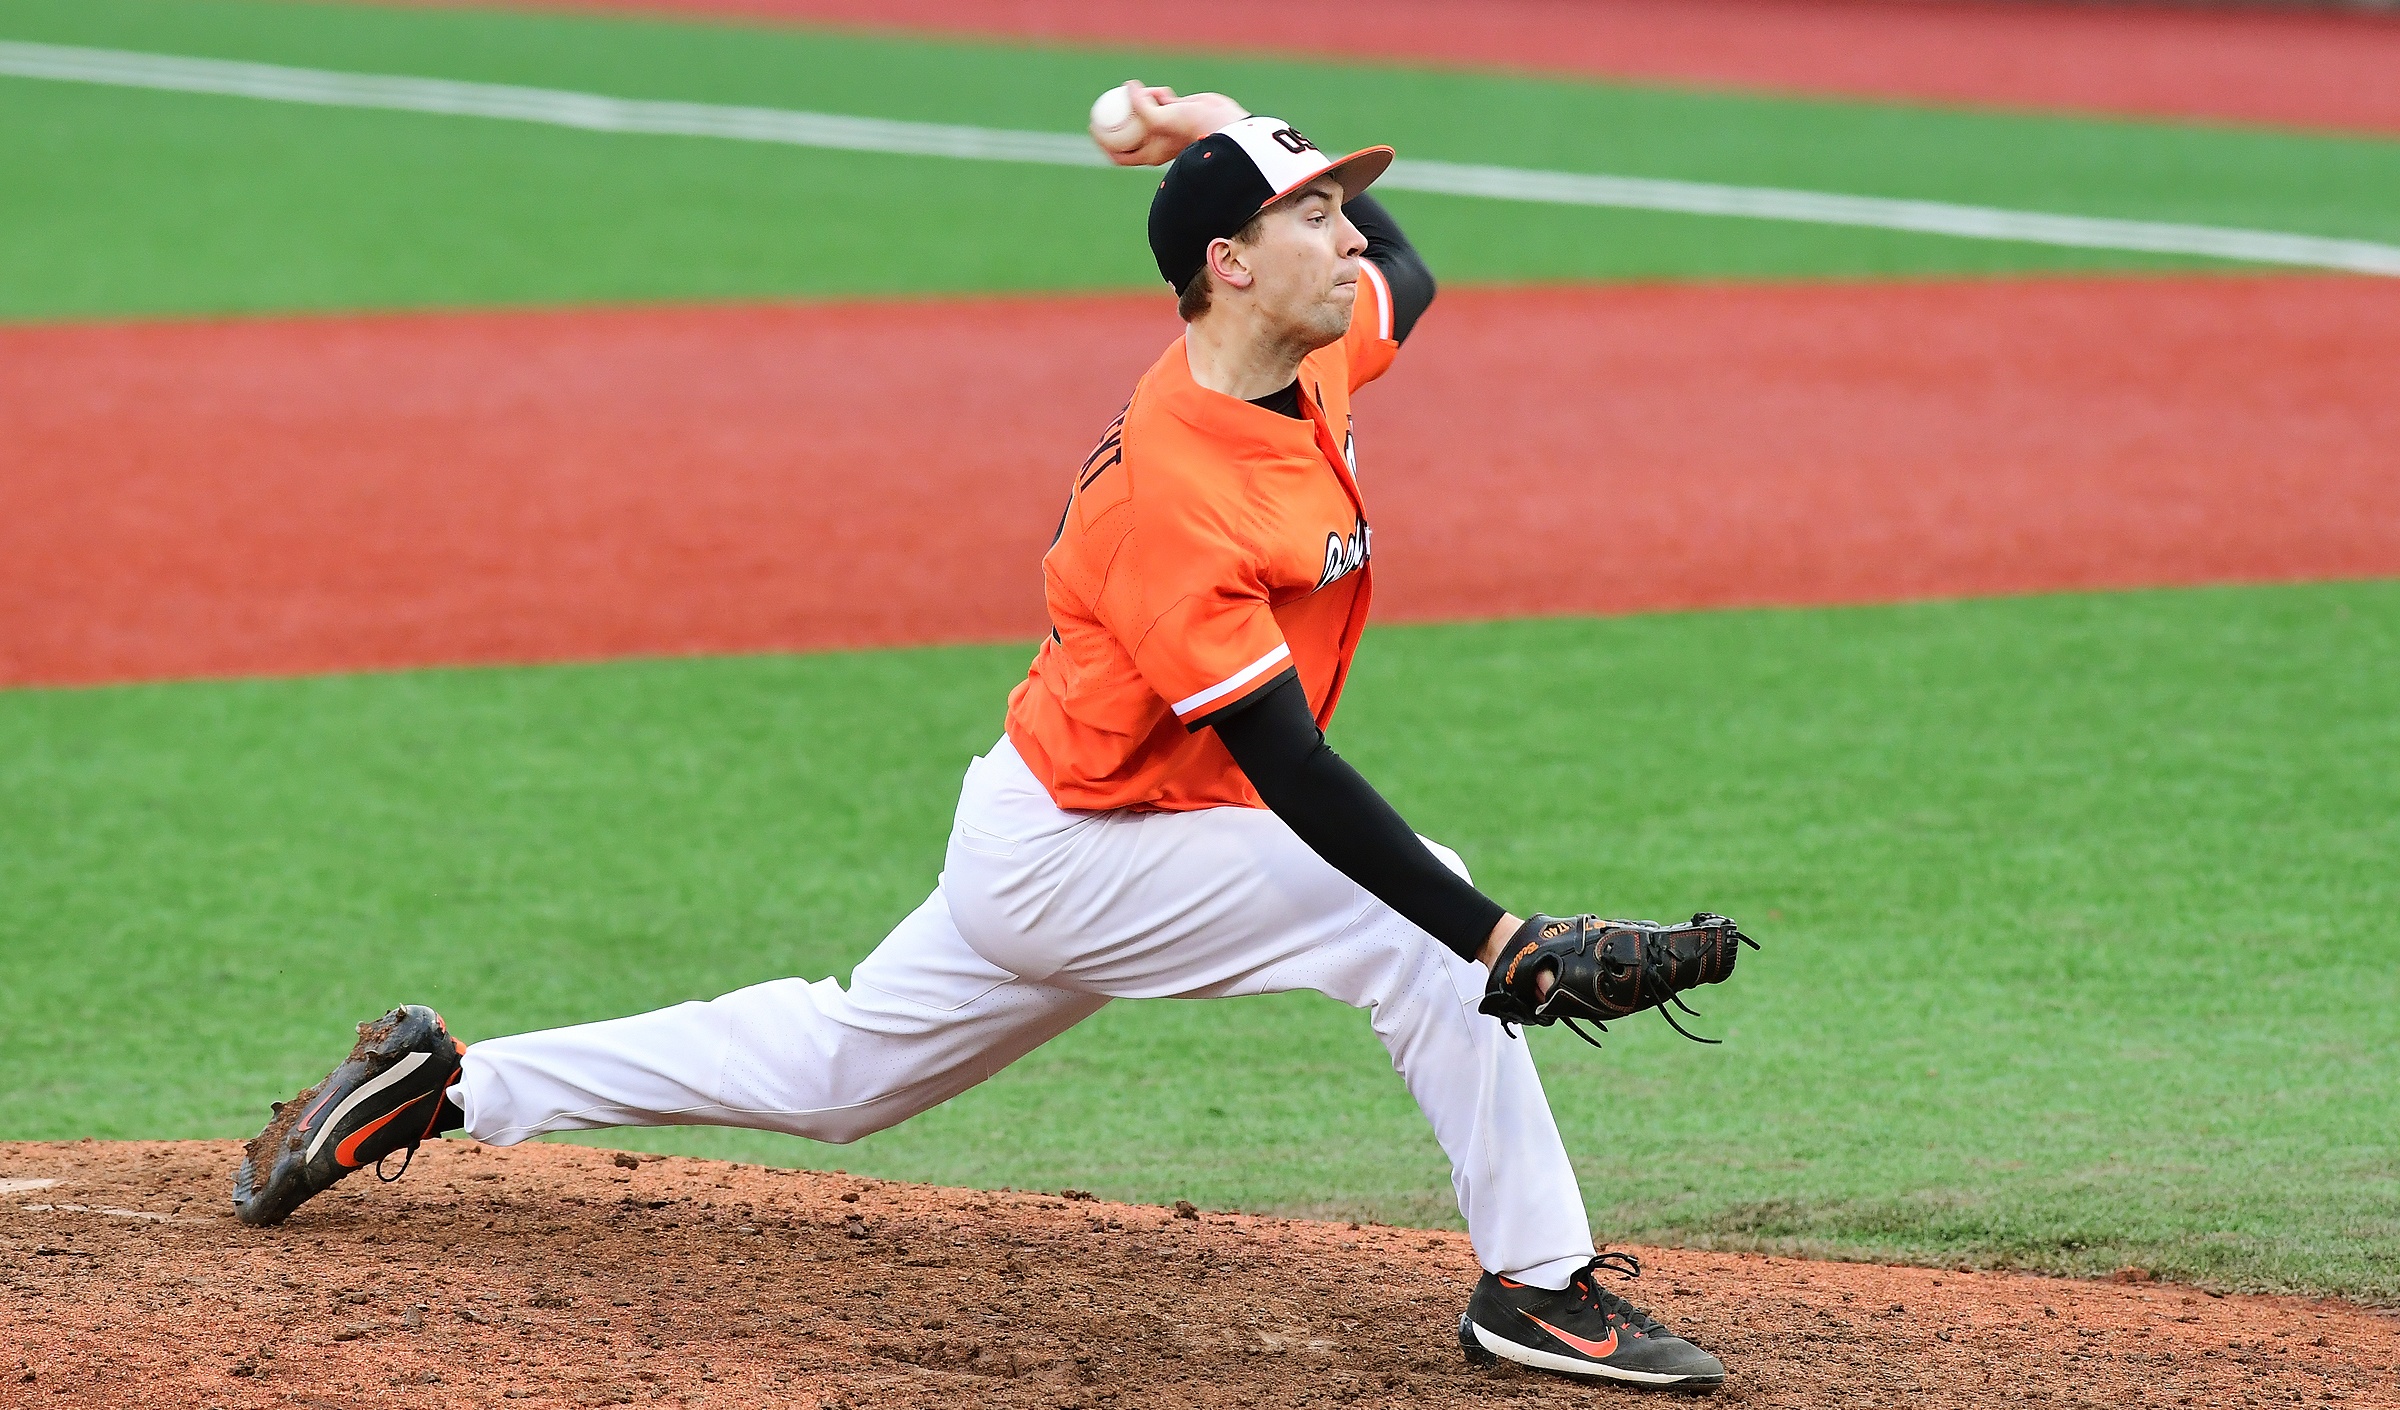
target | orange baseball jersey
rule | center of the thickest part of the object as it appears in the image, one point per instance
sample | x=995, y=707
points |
x=1210, y=548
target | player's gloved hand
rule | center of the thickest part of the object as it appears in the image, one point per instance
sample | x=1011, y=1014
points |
x=1604, y=969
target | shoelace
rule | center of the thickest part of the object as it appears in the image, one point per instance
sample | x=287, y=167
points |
x=410, y=1157
x=405, y=1161
x=1586, y=1287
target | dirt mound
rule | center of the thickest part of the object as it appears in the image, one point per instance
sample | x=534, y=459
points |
x=559, y=1274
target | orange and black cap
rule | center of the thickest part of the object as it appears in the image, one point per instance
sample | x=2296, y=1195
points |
x=1225, y=178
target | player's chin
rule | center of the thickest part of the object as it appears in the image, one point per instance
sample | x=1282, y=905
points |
x=1333, y=315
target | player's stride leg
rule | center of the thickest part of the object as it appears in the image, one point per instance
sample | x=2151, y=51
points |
x=388, y=1095
x=1229, y=901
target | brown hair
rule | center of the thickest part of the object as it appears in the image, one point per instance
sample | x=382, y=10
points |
x=1193, y=301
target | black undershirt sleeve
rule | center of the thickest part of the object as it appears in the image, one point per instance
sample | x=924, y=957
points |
x=1274, y=737
x=1403, y=268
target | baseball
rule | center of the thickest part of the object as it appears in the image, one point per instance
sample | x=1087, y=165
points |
x=1113, y=124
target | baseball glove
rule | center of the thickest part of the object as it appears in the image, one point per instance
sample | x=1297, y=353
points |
x=1604, y=969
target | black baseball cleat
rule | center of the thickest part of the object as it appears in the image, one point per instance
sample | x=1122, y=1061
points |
x=390, y=1093
x=1582, y=1330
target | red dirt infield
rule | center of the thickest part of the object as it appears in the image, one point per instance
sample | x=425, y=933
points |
x=2300, y=69
x=559, y=1275
x=299, y=495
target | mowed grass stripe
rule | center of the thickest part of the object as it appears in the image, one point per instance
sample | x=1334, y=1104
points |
x=594, y=112
x=135, y=203
x=2075, y=911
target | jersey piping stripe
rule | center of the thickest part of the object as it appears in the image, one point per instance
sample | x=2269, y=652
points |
x=1234, y=682
x=1383, y=299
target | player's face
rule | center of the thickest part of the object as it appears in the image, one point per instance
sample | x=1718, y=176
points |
x=1305, y=261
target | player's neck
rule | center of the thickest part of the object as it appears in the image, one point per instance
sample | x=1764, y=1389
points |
x=1240, y=356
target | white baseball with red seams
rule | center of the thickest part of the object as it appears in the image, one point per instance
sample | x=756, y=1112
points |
x=1114, y=124
x=1041, y=917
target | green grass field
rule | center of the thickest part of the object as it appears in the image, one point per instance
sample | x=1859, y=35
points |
x=2077, y=913
x=2077, y=907
x=128, y=202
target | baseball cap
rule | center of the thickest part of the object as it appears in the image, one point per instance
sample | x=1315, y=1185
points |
x=1222, y=180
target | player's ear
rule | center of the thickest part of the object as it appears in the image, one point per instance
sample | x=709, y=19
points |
x=1227, y=265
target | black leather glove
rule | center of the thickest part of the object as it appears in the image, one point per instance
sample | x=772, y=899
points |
x=1604, y=969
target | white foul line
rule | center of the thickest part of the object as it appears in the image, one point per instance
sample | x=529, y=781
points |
x=595, y=113
x=556, y=107
x=1887, y=213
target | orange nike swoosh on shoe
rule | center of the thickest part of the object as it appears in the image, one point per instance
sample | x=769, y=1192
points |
x=346, y=1153
x=1594, y=1349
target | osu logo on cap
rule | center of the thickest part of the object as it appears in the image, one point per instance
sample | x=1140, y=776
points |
x=1290, y=140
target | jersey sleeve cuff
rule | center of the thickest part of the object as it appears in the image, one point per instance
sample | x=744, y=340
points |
x=1196, y=709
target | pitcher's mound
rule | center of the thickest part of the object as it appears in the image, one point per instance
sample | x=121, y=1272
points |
x=577, y=1277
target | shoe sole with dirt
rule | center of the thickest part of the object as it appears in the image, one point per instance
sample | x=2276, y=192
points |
x=388, y=1094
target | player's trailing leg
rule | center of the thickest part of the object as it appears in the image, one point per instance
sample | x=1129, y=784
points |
x=390, y=1094
x=1583, y=1330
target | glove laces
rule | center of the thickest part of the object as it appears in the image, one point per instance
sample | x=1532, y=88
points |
x=1657, y=965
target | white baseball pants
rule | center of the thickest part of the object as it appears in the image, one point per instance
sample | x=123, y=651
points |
x=1040, y=917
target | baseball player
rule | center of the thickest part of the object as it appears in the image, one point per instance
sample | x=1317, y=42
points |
x=1162, y=817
